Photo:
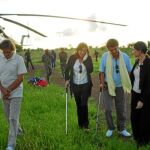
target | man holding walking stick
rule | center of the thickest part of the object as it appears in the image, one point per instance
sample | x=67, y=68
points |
x=114, y=70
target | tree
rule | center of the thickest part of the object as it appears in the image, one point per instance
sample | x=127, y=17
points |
x=19, y=48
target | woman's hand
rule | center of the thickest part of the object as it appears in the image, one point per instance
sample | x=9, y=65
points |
x=139, y=105
x=67, y=84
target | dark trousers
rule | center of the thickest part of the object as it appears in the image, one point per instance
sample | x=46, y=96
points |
x=29, y=62
x=120, y=104
x=139, y=121
x=48, y=70
x=53, y=63
x=81, y=98
x=63, y=66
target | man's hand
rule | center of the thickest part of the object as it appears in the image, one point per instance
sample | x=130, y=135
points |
x=101, y=80
x=101, y=86
x=139, y=105
x=5, y=97
x=5, y=92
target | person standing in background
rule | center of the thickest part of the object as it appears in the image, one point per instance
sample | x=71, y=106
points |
x=46, y=59
x=12, y=70
x=28, y=59
x=53, y=53
x=63, y=60
x=96, y=55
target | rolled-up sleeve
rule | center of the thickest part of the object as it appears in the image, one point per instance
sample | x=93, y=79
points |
x=21, y=66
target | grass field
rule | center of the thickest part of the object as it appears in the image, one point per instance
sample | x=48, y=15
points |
x=43, y=122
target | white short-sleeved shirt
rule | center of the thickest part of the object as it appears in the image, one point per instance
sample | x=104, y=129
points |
x=9, y=70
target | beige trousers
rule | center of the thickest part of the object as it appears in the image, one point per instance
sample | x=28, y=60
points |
x=12, y=111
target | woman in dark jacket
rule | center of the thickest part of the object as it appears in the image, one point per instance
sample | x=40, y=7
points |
x=77, y=74
x=140, y=101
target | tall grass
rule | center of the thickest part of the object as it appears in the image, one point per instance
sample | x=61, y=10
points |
x=43, y=122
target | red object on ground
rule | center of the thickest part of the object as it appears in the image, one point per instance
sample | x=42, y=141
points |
x=42, y=83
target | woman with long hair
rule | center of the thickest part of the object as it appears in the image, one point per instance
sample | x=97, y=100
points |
x=78, y=74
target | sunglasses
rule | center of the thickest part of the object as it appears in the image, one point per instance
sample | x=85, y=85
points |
x=80, y=68
x=117, y=68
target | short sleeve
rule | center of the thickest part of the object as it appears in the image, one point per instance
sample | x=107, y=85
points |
x=21, y=66
x=102, y=63
x=128, y=63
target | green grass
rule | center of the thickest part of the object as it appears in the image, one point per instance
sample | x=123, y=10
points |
x=43, y=121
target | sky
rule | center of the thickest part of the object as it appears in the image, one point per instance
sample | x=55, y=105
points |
x=63, y=33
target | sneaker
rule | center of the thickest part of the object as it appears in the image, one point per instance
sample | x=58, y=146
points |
x=124, y=133
x=109, y=133
x=9, y=148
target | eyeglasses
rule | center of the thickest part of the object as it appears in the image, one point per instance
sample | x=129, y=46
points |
x=117, y=68
x=80, y=68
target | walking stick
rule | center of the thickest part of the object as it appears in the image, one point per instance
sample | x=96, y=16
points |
x=97, y=117
x=66, y=110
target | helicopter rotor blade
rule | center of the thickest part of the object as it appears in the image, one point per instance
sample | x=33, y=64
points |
x=3, y=33
x=22, y=25
x=63, y=17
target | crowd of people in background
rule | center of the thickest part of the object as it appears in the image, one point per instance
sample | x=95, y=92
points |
x=117, y=77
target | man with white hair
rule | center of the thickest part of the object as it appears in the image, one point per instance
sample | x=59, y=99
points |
x=12, y=70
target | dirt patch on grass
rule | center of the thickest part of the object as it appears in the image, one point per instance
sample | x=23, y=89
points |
x=57, y=79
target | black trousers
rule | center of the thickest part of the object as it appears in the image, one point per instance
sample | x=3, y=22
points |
x=81, y=98
x=53, y=63
x=63, y=66
x=139, y=121
x=29, y=62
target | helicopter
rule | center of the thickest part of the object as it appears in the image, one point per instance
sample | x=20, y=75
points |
x=4, y=17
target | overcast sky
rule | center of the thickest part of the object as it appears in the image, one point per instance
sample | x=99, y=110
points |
x=61, y=32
